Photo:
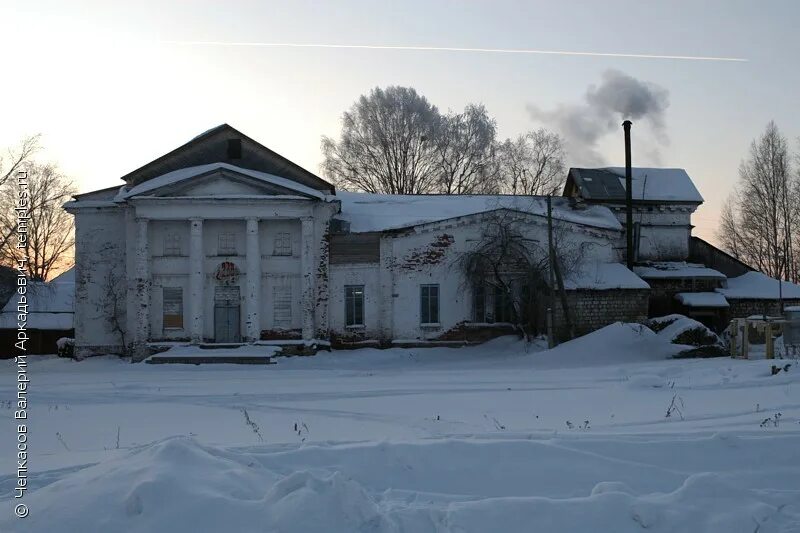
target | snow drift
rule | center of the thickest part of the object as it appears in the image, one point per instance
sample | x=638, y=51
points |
x=179, y=485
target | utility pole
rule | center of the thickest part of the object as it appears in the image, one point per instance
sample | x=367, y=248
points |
x=551, y=341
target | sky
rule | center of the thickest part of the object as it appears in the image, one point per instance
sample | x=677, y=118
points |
x=112, y=85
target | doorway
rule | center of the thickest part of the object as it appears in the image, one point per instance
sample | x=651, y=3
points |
x=226, y=314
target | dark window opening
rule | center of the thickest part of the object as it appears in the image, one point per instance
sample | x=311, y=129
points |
x=354, y=305
x=429, y=304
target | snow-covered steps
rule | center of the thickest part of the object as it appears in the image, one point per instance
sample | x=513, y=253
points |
x=245, y=354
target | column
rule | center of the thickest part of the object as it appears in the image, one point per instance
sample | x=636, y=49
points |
x=253, y=294
x=196, y=279
x=142, y=332
x=307, y=305
x=386, y=283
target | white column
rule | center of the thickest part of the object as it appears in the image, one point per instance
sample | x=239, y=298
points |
x=196, y=279
x=386, y=282
x=307, y=277
x=142, y=333
x=253, y=294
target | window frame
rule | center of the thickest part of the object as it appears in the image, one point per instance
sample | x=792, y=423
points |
x=172, y=245
x=165, y=314
x=479, y=303
x=228, y=238
x=282, y=293
x=503, y=311
x=282, y=244
x=350, y=300
x=425, y=296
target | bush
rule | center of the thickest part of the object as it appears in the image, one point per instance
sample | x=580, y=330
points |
x=66, y=347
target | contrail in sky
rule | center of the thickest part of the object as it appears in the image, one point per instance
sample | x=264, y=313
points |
x=455, y=49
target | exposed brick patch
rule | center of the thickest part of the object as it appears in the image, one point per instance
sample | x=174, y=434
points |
x=430, y=254
x=280, y=334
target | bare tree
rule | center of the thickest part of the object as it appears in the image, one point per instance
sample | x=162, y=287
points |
x=14, y=161
x=50, y=235
x=761, y=225
x=387, y=144
x=18, y=157
x=510, y=261
x=728, y=233
x=466, y=150
x=532, y=163
x=114, y=310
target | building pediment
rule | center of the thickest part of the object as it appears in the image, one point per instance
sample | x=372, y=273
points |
x=218, y=180
x=228, y=145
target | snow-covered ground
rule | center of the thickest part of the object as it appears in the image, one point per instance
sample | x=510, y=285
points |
x=498, y=438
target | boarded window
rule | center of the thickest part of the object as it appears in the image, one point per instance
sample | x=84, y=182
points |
x=354, y=305
x=172, y=244
x=355, y=248
x=429, y=304
x=173, y=307
x=283, y=243
x=226, y=245
x=282, y=310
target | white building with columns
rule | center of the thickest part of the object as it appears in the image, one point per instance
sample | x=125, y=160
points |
x=224, y=241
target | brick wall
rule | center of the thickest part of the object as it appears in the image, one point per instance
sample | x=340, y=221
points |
x=663, y=291
x=591, y=310
x=747, y=307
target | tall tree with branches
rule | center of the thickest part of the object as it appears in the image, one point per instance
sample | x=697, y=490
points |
x=532, y=163
x=466, y=149
x=761, y=222
x=50, y=232
x=388, y=144
x=14, y=161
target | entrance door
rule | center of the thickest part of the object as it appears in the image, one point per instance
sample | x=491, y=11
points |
x=226, y=314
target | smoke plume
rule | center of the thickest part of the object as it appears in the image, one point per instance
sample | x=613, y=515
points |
x=618, y=97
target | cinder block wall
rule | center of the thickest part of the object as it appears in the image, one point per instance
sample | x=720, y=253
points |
x=592, y=310
x=747, y=307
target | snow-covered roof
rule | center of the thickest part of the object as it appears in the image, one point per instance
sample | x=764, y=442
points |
x=649, y=184
x=755, y=285
x=68, y=276
x=378, y=212
x=604, y=276
x=50, y=305
x=702, y=299
x=183, y=174
x=676, y=270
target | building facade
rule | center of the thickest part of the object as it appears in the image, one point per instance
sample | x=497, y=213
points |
x=224, y=241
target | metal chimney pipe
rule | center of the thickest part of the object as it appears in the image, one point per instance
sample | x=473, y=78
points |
x=628, y=194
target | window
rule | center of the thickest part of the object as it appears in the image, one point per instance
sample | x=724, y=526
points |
x=173, y=307
x=283, y=244
x=478, y=303
x=354, y=305
x=226, y=244
x=282, y=307
x=429, y=304
x=172, y=244
x=503, y=307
